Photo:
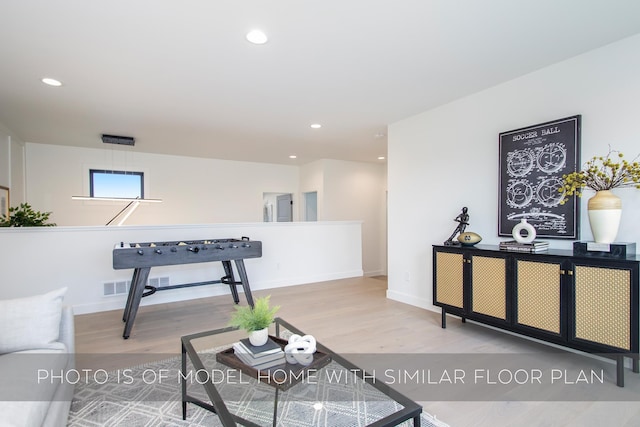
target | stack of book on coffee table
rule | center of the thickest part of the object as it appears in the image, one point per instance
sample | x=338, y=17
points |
x=533, y=247
x=261, y=357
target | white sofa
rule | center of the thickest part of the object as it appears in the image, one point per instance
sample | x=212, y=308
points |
x=36, y=357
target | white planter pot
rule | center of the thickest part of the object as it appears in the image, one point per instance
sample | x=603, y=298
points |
x=259, y=338
x=605, y=211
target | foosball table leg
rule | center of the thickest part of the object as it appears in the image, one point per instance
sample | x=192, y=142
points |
x=135, y=295
x=242, y=272
x=228, y=272
x=127, y=307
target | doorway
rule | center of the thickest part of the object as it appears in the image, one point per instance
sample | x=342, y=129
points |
x=311, y=206
x=277, y=207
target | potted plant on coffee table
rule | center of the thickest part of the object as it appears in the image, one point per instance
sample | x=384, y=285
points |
x=255, y=320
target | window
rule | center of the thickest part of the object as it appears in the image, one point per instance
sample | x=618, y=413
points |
x=109, y=183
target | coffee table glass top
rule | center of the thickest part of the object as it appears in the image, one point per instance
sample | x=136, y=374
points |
x=334, y=393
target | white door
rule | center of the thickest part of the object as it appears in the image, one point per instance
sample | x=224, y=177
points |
x=284, y=208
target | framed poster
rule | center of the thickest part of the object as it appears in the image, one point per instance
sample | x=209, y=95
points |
x=532, y=162
x=4, y=201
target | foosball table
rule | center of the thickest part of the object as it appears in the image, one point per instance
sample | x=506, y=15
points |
x=142, y=256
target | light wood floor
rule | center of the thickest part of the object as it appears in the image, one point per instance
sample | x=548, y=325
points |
x=354, y=316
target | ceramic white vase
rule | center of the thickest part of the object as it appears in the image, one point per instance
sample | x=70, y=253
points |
x=523, y=225
x=259, y=338
x=605, y=211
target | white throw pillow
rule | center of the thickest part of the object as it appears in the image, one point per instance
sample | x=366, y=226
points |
x=30, y=323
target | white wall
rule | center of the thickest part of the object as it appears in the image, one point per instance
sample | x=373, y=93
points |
x=447, y=157
x=349, y=191
x=18, y=172
x=5, y=157
x=358, y=191
x=39, y=259
x=194, y=190
x=12, y=165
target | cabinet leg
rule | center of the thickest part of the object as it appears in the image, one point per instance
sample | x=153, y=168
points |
x=636, y=364
x=464, y=320
x=620, y=371
x=443, y=322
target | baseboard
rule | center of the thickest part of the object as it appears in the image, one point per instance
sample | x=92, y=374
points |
x=409, y=299
x=372, y=273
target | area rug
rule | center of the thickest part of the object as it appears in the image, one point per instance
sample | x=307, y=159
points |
x=150, y=395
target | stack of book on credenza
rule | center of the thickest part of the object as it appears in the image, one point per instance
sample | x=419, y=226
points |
x=533, y=247
x=261, y=357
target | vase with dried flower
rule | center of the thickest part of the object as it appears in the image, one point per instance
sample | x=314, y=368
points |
x=602, y=174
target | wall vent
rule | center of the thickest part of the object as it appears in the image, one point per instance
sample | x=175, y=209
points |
x=122, y=286
x=109, y=288
x=116, y=288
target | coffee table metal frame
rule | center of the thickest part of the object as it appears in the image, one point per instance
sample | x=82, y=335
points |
x=410, y=410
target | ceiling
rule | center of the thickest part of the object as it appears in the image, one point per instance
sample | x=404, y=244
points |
x=180, y=77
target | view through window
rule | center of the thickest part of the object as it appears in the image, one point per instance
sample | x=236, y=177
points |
x=110, y=183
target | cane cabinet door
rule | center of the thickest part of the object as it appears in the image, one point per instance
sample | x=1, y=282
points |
x=449, y=279
x=538, y=296
x=489, y=286
x=603, y=305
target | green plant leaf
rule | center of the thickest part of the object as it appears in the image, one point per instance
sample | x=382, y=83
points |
x=25, y=216
x=256, y=318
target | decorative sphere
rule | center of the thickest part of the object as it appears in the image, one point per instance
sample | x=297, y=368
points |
x=469, y=238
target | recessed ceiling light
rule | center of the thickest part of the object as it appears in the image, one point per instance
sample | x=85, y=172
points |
x=316, y=126
x=257, y=37
x=51, y=82
x=293, y=156
x=381, y=158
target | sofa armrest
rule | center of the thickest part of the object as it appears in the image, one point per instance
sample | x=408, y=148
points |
x=67, y=329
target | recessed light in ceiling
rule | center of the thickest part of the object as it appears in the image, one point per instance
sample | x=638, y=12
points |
x=257, y=37
x=293, y=156
x=316, y=126
x=51, y=82
x=381, y=158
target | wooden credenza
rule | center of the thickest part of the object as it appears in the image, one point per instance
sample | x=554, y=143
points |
x=582, y=302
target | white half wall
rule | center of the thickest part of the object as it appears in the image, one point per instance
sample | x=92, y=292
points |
x=447, y=157
x=39, y=259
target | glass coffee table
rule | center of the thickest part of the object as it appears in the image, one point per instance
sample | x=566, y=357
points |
x=331, y=391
